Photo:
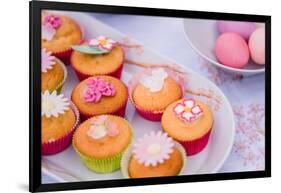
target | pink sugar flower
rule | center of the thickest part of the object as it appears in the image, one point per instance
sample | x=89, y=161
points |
x=103, y=43
x=52, y=20
x=187, y=110
x=98, y=87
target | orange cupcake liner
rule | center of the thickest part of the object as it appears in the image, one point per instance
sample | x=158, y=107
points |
x=116, y=73
x=60, y=144
x=150, y=114
x=195, y=146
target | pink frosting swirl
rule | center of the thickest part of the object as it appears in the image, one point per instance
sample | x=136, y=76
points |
x=96, y=88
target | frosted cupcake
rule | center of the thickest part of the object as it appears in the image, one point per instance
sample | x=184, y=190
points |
x=189, y=122
x=100, y=95
x=153, y=155
x=153, y=90
x=100, y=56
x=59, y=119
x=100, y=142
x=53, y=72
x=59, y=33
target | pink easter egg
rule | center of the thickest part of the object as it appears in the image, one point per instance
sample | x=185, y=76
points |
x=244, y=29
x=257, y=46
x=232, y=50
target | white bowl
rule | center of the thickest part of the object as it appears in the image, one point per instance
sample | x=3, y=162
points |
x=202, y=35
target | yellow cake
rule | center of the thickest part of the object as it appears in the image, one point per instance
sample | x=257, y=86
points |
x=57, y=119
x=170, y=167
x=183, y=130
x=102, y=64
x=59, y=32
x=53, y=72
x=189, y=122
x=157, y=101
x=54, y=128
x=111, y=104
x=53, y=78
x=102, y=146
x=154, y=155
x=156, y=90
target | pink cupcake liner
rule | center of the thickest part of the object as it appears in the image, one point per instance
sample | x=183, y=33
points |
x=119, y=112
x=195, y=146
x=116, y=73
x=152, y=115
x=64, y=56
x=58, y=145
x=81, y=76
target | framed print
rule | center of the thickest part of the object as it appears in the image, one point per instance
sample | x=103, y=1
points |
x=126, y=96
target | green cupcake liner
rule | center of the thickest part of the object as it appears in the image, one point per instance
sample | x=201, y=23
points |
x=106, y=165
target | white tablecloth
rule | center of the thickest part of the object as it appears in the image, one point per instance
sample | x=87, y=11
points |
x=246, y=94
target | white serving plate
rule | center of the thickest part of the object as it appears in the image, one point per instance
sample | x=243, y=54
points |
x=66, y=166
x=202, y=35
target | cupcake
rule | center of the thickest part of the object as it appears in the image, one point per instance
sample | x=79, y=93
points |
x=59, y=33
x=189, y=122
x=59, y=119
x=153, y=90
x=154, y=155
x=100, y=142
x=99, y=95
x=101, y=56
x=53, y=72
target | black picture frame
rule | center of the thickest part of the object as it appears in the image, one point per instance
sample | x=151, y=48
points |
x=35, y=8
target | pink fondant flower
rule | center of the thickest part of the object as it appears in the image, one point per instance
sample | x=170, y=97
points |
x=96, y=88
x=47, y=60
x=102, y=127
x=187, y=110
x=112, y=129
x=103, y=43
x=52, y=20
x=154, y=148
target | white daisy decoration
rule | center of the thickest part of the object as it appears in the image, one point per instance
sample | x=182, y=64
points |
x=53, y=104
x=47, y=60
x=153, y=148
